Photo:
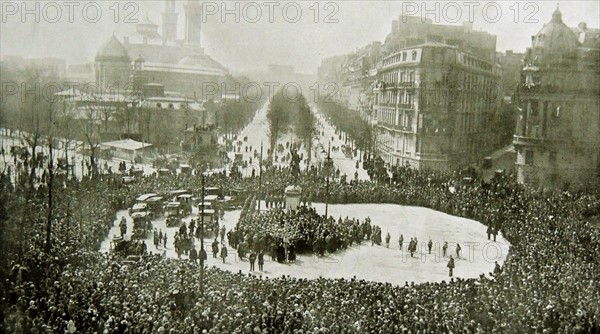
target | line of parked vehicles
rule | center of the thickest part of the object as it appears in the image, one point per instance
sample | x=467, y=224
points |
x=176, y=205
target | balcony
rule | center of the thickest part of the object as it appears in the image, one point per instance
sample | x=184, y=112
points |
x=408, y=85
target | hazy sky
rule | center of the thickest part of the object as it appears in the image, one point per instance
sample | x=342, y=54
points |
x=255, y=41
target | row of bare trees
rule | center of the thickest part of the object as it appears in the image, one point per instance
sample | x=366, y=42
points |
x=284, y=112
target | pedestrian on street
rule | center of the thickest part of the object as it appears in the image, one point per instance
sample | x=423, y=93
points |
x=450, y=265
x=203, y=257
x=215, y=248
x=261, y=260
x=194, y=255
x=429, y=245
x=223, y=252
x=445, y=248
x=252, y=260
x=387, y=240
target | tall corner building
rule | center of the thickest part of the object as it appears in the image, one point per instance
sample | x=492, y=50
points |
x=557, y=137
x=179, y=65
x=435, y=95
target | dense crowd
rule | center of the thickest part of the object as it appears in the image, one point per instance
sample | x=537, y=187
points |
x=300, y=231
x=549, y=283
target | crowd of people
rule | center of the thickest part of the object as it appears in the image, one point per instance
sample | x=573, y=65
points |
x=286, y=233
x=549, y=283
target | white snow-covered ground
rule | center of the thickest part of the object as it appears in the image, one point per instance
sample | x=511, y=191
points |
x=374, y=263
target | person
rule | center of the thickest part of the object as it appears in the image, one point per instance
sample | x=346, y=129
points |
x=450, y=265
x=156, y=240
x=445, y=248
x=222, y=232
x=203, y=257
x=223, y=252
x=123, y=227
x=194, y=255
x=261, y=260
x=401, y=241
x=215, y=248
x=429, y=245
x=497, y=270
x=165, y=240
x=387, y=240
x=489, y=231
x=252, y=260
x=458, y=250
x=495, y=232
x=412, y=246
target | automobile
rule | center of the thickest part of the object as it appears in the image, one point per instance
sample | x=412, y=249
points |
x=127, y=179
x=163, y=172
x=210, y=221
x=212, y=199
x=173, y=209
x=227, y=203
x=173, y=212
x=128, y=250
x=141, y=225
x=185, y=169
x=138, y=208
x=155, y=206
x=145, y=197
x=138, y=172
x=213, y=191
x=186, y=203
x=172, y=194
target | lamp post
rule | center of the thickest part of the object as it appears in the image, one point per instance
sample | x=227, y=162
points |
x=327, y=171
x=260, y=174
x=202, y=237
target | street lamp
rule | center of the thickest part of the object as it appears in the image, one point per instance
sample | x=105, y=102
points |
x=260, y=174
x=202, y=236
x=328, y=163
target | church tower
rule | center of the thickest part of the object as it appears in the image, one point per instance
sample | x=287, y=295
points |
x=193, y=20
x=169, y=17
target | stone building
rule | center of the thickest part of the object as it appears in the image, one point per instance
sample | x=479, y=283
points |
x=179, y=65
x=436, y=95
x=557, y=137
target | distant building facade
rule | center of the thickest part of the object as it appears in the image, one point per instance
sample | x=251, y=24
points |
x=179, y=65
x=558, y=132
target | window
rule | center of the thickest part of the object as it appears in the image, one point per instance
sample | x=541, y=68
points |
x=414, y=55
x=529, y=157
x=403, y=56
x=534, y=108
